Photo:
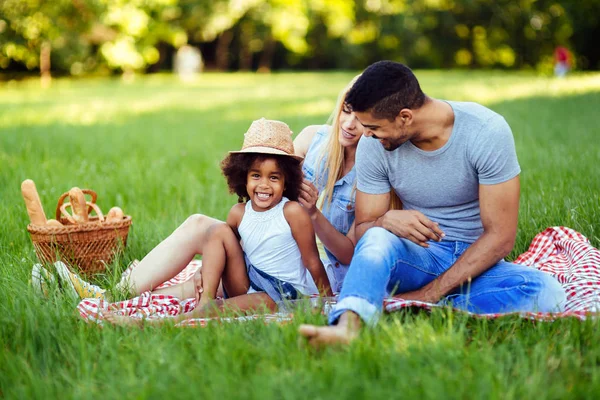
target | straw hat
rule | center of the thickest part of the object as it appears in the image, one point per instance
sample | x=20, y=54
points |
x=268, y=137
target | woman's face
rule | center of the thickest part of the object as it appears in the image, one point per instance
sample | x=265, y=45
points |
x=350, y=129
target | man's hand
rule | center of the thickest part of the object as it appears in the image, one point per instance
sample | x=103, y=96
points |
x=308, y=197
x=420, y=295
x=412, y=225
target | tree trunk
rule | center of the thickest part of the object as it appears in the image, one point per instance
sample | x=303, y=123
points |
x=222, y=56
x=245, y=54
x=266, y=58
x=45, y=51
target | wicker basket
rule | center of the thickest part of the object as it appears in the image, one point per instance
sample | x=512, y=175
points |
x=88, y=246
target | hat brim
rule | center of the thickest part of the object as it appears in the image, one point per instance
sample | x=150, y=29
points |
x=266, y=150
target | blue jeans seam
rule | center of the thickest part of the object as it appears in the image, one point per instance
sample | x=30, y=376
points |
x=398, y=261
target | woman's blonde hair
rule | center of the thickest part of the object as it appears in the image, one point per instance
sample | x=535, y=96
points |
x=333, y=151
x=333, y=154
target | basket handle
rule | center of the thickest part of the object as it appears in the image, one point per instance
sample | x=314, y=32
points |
x=62, y=198
x=63, y=211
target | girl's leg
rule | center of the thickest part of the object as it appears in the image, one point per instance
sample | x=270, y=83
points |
x=223, y=258
x=252, y=302
x=171, y=255
x=245, y=303
x=186, y=290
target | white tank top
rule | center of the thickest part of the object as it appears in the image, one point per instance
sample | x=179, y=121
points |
x=267, y=241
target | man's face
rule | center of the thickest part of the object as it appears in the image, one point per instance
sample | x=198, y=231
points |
x=391, y=134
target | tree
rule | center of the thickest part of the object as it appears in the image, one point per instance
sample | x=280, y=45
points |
x=34, y=32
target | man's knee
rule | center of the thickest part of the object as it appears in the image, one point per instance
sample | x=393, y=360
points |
x=380, y=245
x=382, y=240
x=551, y=296
x=377, y=238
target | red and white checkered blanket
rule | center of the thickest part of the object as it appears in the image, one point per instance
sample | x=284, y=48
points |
x=559, y=251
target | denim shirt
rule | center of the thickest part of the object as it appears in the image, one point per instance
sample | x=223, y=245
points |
x=340, y=213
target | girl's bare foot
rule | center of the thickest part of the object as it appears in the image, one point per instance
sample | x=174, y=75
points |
x=343, y=333
x=113, y=318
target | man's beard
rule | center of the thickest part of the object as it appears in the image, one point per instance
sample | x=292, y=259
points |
x=391, y=146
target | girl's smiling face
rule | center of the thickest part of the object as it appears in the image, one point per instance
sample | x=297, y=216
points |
x=265, y=184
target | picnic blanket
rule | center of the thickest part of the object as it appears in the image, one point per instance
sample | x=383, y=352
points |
x=562, y=252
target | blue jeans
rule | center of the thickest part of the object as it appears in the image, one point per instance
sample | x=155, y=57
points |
x=384, y=264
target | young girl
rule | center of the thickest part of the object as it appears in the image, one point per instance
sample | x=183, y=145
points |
x=266, y=251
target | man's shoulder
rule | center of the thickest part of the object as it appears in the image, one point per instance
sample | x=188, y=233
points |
x=478, y=120
x=369, y=145
x=474, y=112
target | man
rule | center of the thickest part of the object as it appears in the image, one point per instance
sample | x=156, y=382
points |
x=455, y=169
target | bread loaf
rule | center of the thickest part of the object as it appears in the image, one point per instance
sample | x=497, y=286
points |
x=115, y=214
x=53, y=222
x=78, y=205
x=33, y=203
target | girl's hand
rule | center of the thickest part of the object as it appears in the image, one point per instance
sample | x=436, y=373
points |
x=308, y=197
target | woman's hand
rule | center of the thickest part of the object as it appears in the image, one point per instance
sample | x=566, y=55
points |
x=308, y=197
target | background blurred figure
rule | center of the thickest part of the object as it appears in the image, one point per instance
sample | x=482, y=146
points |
x=562, y=61
x=187, y=63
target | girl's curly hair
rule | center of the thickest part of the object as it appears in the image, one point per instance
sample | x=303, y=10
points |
x=235, y=167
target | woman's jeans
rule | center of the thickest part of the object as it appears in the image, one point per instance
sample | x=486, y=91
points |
x=384, y=264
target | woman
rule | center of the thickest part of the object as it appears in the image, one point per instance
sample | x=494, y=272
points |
x=331, y=178
x=328, y=167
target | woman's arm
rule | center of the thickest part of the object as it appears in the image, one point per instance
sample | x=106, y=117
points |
x=340, y=245
x=304, y=234
x=304, y=139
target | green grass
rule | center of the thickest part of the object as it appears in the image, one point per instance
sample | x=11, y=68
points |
x=153, y=147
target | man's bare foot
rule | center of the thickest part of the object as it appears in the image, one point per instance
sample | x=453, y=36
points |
x=343, y=333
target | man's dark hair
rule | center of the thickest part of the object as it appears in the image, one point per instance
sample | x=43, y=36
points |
x=385, y=88
x=235, y=167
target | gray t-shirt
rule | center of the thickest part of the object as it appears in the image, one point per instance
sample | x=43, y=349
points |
x=444, y=184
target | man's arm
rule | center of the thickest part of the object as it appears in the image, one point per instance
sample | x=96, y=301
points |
x=499, y=208
x=369, y=209
x=373, y=210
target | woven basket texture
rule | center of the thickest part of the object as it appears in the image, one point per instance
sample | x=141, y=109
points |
x=87, y=247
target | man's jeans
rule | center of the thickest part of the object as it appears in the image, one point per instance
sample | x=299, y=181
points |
x=384, y=264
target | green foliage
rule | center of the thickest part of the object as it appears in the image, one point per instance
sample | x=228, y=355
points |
x=26, y=26
x=137, y=28
x=153, y=147
x=88, y=35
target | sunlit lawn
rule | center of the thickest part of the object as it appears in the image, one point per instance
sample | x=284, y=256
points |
x=153, y=147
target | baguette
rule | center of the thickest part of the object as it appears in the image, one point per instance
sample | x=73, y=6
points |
x=115, y=214
x=33, y=203
x=78, y=205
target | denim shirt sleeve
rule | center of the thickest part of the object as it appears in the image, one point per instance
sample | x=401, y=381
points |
x=340, y=213
x=309, y=166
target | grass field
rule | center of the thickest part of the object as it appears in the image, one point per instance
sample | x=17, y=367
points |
x=153, y=147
